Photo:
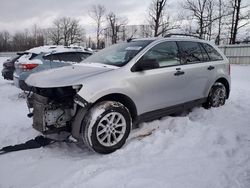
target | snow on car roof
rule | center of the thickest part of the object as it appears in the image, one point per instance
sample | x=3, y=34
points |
x=56, y=49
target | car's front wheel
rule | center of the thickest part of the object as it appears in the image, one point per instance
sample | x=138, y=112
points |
x=217, y=96
x=106, y=127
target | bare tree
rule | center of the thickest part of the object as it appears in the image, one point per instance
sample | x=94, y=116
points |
x=220, y=9
x=21, y=41
x=222, y=14
x=198, y=9
x=55, y=32
x=115, y=26
x=97, y=13
x=5, y=41
x=66, y=31
x=206, y=14
x=146, y=31
x=237, y=17
x=76, y=34
x=210, y=18
x=38, y=35
x=158, y=18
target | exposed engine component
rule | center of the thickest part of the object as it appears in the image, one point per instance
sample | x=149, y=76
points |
x=57, y=117
x=53, y=109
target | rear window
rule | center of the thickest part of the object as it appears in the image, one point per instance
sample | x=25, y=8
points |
x=212, y=53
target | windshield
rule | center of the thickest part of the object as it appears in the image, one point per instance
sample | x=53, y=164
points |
x=118, y=54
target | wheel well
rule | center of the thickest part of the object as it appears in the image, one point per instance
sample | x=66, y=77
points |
x=125, y=100
x=225, y=83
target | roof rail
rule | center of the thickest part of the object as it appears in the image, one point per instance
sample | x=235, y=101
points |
x=181, y=34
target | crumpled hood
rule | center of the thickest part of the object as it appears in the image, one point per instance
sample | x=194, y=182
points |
x=66, y=76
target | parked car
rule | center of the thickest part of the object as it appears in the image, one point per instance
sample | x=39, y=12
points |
x=98, y=101
x=9, y=66
x=46, y=57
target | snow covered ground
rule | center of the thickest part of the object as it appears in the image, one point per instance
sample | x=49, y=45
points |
x=202, y=149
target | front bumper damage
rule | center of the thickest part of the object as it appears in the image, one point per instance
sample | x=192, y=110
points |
x=52, y=116
x=49, y=116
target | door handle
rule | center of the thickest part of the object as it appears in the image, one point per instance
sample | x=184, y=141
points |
x=210, y=68
x=178, y=73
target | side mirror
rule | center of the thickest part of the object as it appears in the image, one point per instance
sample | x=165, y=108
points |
x=146, y=64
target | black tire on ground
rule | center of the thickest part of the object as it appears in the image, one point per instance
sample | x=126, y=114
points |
x=106, y=127
x=217, y=96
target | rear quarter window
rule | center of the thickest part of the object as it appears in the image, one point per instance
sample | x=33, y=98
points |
x=30, y=56
x=212, y=53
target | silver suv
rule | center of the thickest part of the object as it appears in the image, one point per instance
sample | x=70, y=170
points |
x=140, y=80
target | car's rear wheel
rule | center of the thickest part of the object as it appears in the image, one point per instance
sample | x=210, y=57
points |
x=217, y=96
x=106, y=127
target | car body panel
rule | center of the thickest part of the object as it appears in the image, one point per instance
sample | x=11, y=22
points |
x=66, y=76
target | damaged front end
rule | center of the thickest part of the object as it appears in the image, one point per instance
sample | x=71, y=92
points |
x=53, y=109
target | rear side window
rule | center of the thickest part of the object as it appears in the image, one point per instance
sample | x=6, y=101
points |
x=52, y=57
x=191, y=52
x=165, y=53
x=212, y=53
x=83, y=56
x=68, y=57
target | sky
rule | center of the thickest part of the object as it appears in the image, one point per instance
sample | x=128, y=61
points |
x=17, y=15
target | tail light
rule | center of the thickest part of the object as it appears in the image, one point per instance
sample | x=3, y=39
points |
x=27, y=67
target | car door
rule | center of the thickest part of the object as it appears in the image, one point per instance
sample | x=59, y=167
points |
x=216, y=62
x=160, y=87
x=196, y=67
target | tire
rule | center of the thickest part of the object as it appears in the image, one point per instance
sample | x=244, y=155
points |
x=106, y=127
x=217, y=96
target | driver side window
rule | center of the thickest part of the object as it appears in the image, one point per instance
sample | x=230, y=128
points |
x=165, y=54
